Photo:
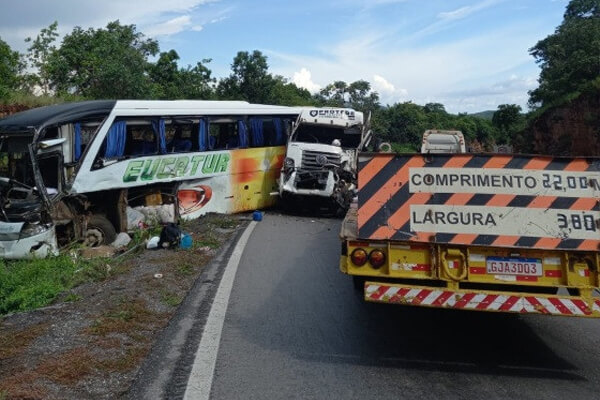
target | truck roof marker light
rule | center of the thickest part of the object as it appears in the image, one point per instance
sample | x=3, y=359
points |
x=376, y=258
x=359, y=257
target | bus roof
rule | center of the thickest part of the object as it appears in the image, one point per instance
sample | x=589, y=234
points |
x=38, y=118
x=204, y=107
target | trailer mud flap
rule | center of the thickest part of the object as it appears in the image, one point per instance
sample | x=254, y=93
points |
x=574, y=306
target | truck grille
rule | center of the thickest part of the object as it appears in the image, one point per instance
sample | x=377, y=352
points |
x=310, y=159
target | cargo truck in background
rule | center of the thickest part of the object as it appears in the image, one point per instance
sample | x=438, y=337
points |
x=320, y=163
x=437, y=141
x=501, y=233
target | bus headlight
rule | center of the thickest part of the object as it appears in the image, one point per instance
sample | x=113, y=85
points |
x=30, y=229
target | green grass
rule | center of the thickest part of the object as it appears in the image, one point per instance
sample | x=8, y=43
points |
x=224, y=222
x=33, y=101
x=170, y=299
x=30, y=284
x=206, y=240
x=403, y=148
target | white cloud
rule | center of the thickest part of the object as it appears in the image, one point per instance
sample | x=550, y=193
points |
x=170, y=27
x=197, y=28
x=463, y=12
x=388, y=93
x=436, y=72
x=303, y=79
x=449, y=18
x=381, y=85
x=26, y=18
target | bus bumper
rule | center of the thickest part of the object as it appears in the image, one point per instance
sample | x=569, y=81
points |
x=37, y=246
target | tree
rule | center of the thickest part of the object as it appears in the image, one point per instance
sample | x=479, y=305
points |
x=103, y=63
x=10, y=69
x=334, y=94
x=172, y=82
x=288, y=94
x=357, y=95
x=570, y=57
x=509, y=120
x=197, y=81
x=165, y=76
x=38, y=54
x=402, y=123
x=249, y=80
x=434, y=108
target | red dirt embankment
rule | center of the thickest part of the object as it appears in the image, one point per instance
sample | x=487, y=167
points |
x=8, y=109
x=572, y=129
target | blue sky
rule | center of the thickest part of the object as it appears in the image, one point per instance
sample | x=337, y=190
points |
x=469, y=55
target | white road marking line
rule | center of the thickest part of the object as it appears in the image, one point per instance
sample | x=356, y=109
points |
x=200, y=380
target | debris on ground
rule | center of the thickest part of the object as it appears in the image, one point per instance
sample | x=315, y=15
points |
x=92, y=340
x=97, y=252
x=122, y=240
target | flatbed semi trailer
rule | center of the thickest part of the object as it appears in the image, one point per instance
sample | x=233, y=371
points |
x=501, y=233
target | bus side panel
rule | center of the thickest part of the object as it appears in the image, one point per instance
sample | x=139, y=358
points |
x=252, y=178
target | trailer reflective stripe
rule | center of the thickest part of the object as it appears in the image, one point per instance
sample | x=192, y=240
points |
x=443, y=298
x=531, y=304
x=549, y=306
x=467, y=300
x=485, y=303
x=497, y=302
x=391, y=292
x=559, y=306
x=580, y=306
x=401, y=294
x=431, y=297
x=596, y=305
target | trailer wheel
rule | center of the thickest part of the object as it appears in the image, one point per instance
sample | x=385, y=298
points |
x=100, y=231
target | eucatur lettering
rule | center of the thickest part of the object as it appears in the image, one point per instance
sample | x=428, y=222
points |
x=174, y=167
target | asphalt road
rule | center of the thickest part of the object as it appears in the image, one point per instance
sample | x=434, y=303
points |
x=295, y=328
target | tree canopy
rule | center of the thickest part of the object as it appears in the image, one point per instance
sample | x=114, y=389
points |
x=103, y=63
x=570, y=57
x=10, y=68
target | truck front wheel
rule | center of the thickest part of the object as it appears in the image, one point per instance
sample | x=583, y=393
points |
x=100, y=231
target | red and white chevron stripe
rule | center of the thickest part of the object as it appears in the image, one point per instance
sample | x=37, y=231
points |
x=480, y=301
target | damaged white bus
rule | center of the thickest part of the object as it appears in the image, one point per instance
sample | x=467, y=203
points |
x=79, y=171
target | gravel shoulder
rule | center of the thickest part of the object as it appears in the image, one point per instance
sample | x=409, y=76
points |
x=92, y=342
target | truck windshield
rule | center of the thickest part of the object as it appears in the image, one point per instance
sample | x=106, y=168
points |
x=348, y=137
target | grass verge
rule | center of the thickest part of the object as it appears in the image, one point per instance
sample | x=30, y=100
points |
x=29, y=284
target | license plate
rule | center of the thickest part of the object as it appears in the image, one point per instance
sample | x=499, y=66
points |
x=514, y=266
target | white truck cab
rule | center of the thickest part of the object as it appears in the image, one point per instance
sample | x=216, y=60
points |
x=321, y=155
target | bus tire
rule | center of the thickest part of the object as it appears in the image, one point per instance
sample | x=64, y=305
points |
x=100, y=231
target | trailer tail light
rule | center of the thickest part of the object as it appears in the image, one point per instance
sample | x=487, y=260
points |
x=359, y=257
x=376, y=258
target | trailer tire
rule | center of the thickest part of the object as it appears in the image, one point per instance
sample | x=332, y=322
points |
x=100, y=231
